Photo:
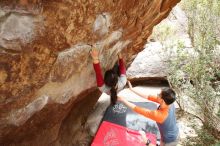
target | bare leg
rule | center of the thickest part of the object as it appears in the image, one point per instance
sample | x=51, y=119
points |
x=144, y=138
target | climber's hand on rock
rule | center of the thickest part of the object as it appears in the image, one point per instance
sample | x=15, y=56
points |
x=119, y=55
x=94, y=54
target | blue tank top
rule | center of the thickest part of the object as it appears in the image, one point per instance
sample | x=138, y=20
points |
x=169, y=129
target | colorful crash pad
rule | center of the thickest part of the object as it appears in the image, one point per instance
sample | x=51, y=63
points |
x=110, y=134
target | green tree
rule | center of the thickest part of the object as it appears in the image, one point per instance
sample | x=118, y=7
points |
x=197, y=74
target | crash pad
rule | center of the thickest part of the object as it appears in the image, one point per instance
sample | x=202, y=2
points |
x=110, y=134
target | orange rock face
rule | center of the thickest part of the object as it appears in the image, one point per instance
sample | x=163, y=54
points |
x=45, y=68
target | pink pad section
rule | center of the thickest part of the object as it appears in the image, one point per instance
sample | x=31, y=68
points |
x=110, y=134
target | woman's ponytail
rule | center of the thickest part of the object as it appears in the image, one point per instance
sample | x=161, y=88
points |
x=111, y=80
x=113, y=95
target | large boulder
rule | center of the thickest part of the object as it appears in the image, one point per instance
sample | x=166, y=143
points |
x=47, y=82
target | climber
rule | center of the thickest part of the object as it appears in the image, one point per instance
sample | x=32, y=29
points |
x=112, y=82
x=164, y=115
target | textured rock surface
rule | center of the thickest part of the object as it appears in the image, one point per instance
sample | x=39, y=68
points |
x=149, y=63
x=45, y=68
x=152, y=62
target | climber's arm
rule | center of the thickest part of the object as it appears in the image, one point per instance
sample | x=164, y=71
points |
x=95, y=56
x=121, y=65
